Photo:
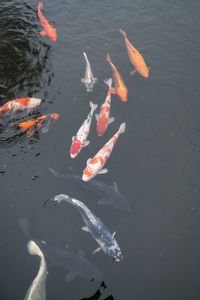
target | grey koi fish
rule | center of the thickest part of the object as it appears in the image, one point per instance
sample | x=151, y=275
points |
x=74, y=263
x=110, y=194
x=89, y=79
x=80, y=139
x=37, y=290
x=99, y=231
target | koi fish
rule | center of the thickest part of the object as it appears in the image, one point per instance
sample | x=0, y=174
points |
x=79, y=141
x=76, y=264
x=95, y=164
x=19, y=105
x=32, y=125
x=103, y=118
x=89, y=79
x=99, y=231
x=135, y=57
x=109, y=194
x=49, y=30
x=37, y=289
x=119, y=85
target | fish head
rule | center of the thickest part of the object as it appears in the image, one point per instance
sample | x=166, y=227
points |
x=33, y=102
x=91, y=169
x=75, y=148
x=115, y=252
x=123, y=94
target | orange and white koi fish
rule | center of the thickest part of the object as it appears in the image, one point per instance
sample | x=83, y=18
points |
x=49, y=30
x=119, y=85
x=95, y=164
x=103, y=118
x=135, y=58
x=32, y=125
x=79, y=141
x=19, y=105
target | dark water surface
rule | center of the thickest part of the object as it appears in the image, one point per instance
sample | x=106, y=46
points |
x=155, y=162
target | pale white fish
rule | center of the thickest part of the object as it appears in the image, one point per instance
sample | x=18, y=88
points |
x=37, y=290
x=89, y=78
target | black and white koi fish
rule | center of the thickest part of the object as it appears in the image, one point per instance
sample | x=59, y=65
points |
x=80, y=139
x=37, y=289
x=110, y=194
x=89, y=79
x=99, y=231
x=74, y=263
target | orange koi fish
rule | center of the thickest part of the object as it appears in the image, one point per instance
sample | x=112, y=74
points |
x=48, y=28
x=135, y=58
x=19, y=105
x=95, y=164
x=42, y=122
x=119, y=85
x=103, y=118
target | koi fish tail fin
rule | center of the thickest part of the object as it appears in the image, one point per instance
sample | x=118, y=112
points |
x=33, y=249
x=122, y=32
x=108, y=59
x=122, y=128
x=108, y=82
x=25, y=226
x=93, y=106
x=85, y=56
x=61, y=197
x=40, y=5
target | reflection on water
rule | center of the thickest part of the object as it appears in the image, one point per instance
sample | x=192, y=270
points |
x=24, y=60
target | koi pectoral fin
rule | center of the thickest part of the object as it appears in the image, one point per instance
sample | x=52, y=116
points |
x=43, y=33
x=86, y=143
x=113, y=90
x=97, y=117
x=103, y=171
x=133, y=72
x=85, y=228
x=70, y=276
x=96, y=250
x=111, y=120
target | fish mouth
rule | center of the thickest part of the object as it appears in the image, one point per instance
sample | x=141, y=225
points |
x=85, y=178
x=73, y=155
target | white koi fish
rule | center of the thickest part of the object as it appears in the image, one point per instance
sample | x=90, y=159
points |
x=99, y=231
x=79, y=141
x=89, y=79
x=37, y=289
x=95, y=164
x=103, y=118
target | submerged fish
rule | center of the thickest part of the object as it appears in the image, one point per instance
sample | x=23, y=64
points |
x=32, y=125
x=135, y=57
x=80, y=139
x=20, y=104
x=99, y=231
x=49, y=30
x=119, y=86
x=37, y=290
x=109, y=194
x=95, y=164
x=74, y=263
x=89, y=79
x=103, y=118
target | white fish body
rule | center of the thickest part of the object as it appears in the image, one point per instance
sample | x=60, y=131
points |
x=89, y=79
x=37, y=290
x=80, y=140
x=95, y=165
